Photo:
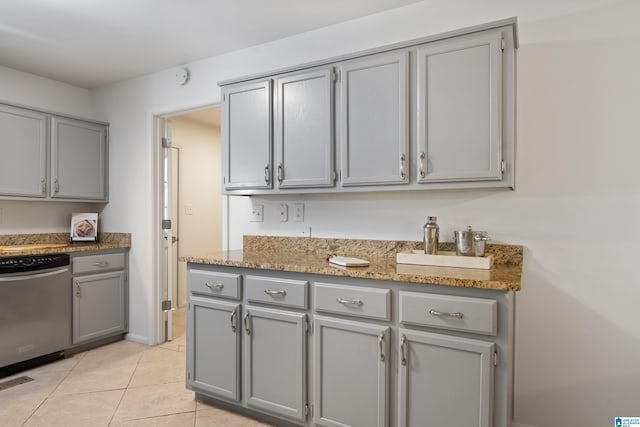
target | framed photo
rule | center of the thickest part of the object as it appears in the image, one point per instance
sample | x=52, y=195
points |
x=84, y=227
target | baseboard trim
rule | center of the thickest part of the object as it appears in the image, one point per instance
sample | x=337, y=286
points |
x=141, y=339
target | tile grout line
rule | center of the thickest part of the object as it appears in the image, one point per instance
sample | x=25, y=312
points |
x=126, y=388
x=53, y=390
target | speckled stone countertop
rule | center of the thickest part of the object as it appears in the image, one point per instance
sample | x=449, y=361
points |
x=309, y=255
x=12, y=245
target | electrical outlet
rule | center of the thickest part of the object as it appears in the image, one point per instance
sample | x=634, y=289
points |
x=257, y=213
x=284, y=213
x=188, y=209
x=298, y=212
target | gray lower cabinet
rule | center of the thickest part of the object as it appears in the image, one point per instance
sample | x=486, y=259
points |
x=213, y=361
x=374, y=131
x=314, y=350
x=99, y=296
x=23, y=142
x=444, y=378
x=459, y=109
x=274, y=361
x=304, y=129
x=351, y=369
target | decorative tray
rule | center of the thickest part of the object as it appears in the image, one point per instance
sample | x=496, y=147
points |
x=444, y=259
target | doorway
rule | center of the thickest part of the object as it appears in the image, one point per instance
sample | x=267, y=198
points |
x=194, y=204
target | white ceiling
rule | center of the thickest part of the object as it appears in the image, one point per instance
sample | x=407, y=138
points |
x=90, y=43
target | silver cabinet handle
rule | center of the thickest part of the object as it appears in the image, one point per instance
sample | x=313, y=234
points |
x=282, y=293
x=381, y=346
x=234, y=319
x=457, y=314
x=56, y=185
x=214, y=286
x=423, y=157
x=78, y=289
x=43, y=183
x=403, y=174
x=280, y=173
x=245, y=320
x=403, y=355
x=349, y=302
x=101, y=264
x=266, y=173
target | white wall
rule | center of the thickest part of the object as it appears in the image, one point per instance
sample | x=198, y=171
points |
x=36, y=92
x=199, y=182
x=578, y=341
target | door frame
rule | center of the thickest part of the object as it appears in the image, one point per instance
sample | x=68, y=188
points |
x=156, y=318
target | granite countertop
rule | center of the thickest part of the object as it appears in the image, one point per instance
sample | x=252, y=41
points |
x=12, y=245
x=309, y=255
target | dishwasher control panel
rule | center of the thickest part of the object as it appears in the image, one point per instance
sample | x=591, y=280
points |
x=32, y=263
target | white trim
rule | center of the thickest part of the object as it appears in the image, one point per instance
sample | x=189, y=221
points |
x=141, y=339
x=155, y=316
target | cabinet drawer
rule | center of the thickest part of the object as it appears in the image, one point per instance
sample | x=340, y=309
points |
x=476, y=315
x=214, y=283
x=353, y=301
x=285, y=292
x=102, y=262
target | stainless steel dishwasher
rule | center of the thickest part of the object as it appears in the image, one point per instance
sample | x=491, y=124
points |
x=35, y=309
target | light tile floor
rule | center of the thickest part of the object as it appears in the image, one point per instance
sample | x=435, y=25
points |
x=124, y=384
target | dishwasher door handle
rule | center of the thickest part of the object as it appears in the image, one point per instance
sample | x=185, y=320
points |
x=30, y=276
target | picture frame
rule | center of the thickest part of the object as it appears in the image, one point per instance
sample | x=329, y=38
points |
x=84, y=227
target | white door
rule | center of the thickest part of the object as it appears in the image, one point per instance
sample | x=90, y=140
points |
x=168, y=225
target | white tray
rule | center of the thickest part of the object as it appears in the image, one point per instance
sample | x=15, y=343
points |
x=444, y=259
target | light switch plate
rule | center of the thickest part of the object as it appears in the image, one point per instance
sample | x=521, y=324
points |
x=188, y=209
x=284, y=213
x=257, y=213
x=298, y=212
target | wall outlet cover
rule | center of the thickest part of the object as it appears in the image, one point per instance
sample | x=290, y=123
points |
x=257, y=213
x=298, y=212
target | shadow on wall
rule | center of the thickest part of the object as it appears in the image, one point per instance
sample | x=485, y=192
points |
x=572, y=364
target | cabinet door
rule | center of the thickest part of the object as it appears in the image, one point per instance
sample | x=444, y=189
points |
x=374, y=121
x=460, y=109
x=246, y=136
x=213, y=347
x=23, y=142
x=304, y=129
x=78, y=159
x=350, y=375
x=98, y=306
x=275, y=361
x=444, y=379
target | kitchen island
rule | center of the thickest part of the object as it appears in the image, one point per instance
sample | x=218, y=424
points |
x=276, y=332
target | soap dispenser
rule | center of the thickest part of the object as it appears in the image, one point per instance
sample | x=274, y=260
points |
x=431, y=236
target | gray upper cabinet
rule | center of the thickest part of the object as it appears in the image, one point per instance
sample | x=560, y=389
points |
x=434, y=113
x=23, y=142
x=459, y=109
x=78, y=159
x=304, y=129
x=351, y=361
x=213, y=341
x=374, y=137
x=444, y=378
x=246, y=136
x=274, y=355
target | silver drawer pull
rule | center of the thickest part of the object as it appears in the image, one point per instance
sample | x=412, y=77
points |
x=234, y=317
x=246, y=320
x=381, y=345
x=349, y=301
x=275, y=293
x=101, y=264
x=403, y=354
x=214, y=286
x=403, y=174
x=457, y=314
